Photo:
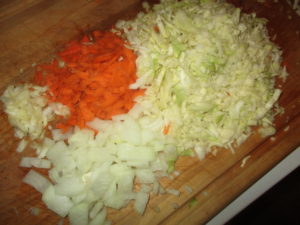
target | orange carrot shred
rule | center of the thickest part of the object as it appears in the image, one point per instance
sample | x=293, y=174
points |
x=95, y=78
x=167, y=129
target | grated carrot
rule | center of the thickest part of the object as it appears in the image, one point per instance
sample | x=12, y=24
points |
x=95, y=78
x=167, y=129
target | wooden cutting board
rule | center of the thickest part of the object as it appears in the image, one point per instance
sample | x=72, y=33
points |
x=31, y=31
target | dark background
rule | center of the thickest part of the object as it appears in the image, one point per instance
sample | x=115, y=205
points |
x=279, y=205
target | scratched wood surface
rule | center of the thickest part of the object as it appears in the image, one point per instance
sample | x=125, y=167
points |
x=31, y=31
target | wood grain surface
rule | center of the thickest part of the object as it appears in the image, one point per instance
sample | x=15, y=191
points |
x=31, y=31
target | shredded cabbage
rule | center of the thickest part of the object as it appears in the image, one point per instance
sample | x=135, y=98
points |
x=209, y=71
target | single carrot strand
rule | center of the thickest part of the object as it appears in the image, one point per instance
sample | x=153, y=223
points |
x=95, y=78
x=167, y=129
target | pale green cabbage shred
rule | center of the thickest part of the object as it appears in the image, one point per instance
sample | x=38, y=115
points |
x=209, y=71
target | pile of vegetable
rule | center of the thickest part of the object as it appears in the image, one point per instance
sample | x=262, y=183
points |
x=91, y=78
x=211, y=70
x=184, y=76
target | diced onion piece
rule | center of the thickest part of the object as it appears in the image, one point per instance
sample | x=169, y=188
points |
x=173, y=192
x=22, y=145
x=114, y=199
x=99, y=218
x=36, y=180
x=59, y=109
x=145, y=176
x=266, y=131
x=35, y=162
x=42, y=149
x=69, y=186
x=141, y=202
x=200, y=151
x=58, y=135
x=96, y=209
x=57, y=203
x=78, y=214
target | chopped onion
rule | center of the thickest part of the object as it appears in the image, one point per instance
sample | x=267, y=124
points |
x=96, y=209
x=58, y=135
x=36, y=180
x=69, y=186
x=173, y=192
x=78, y=214
x=145, y=176
x=58, y=203
x=99, y=218
x=42, y=149
x=101, y=170
x=141, y=202
x=35, y=162
x=22, y=145
x=266, y=131
x=59, y=109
